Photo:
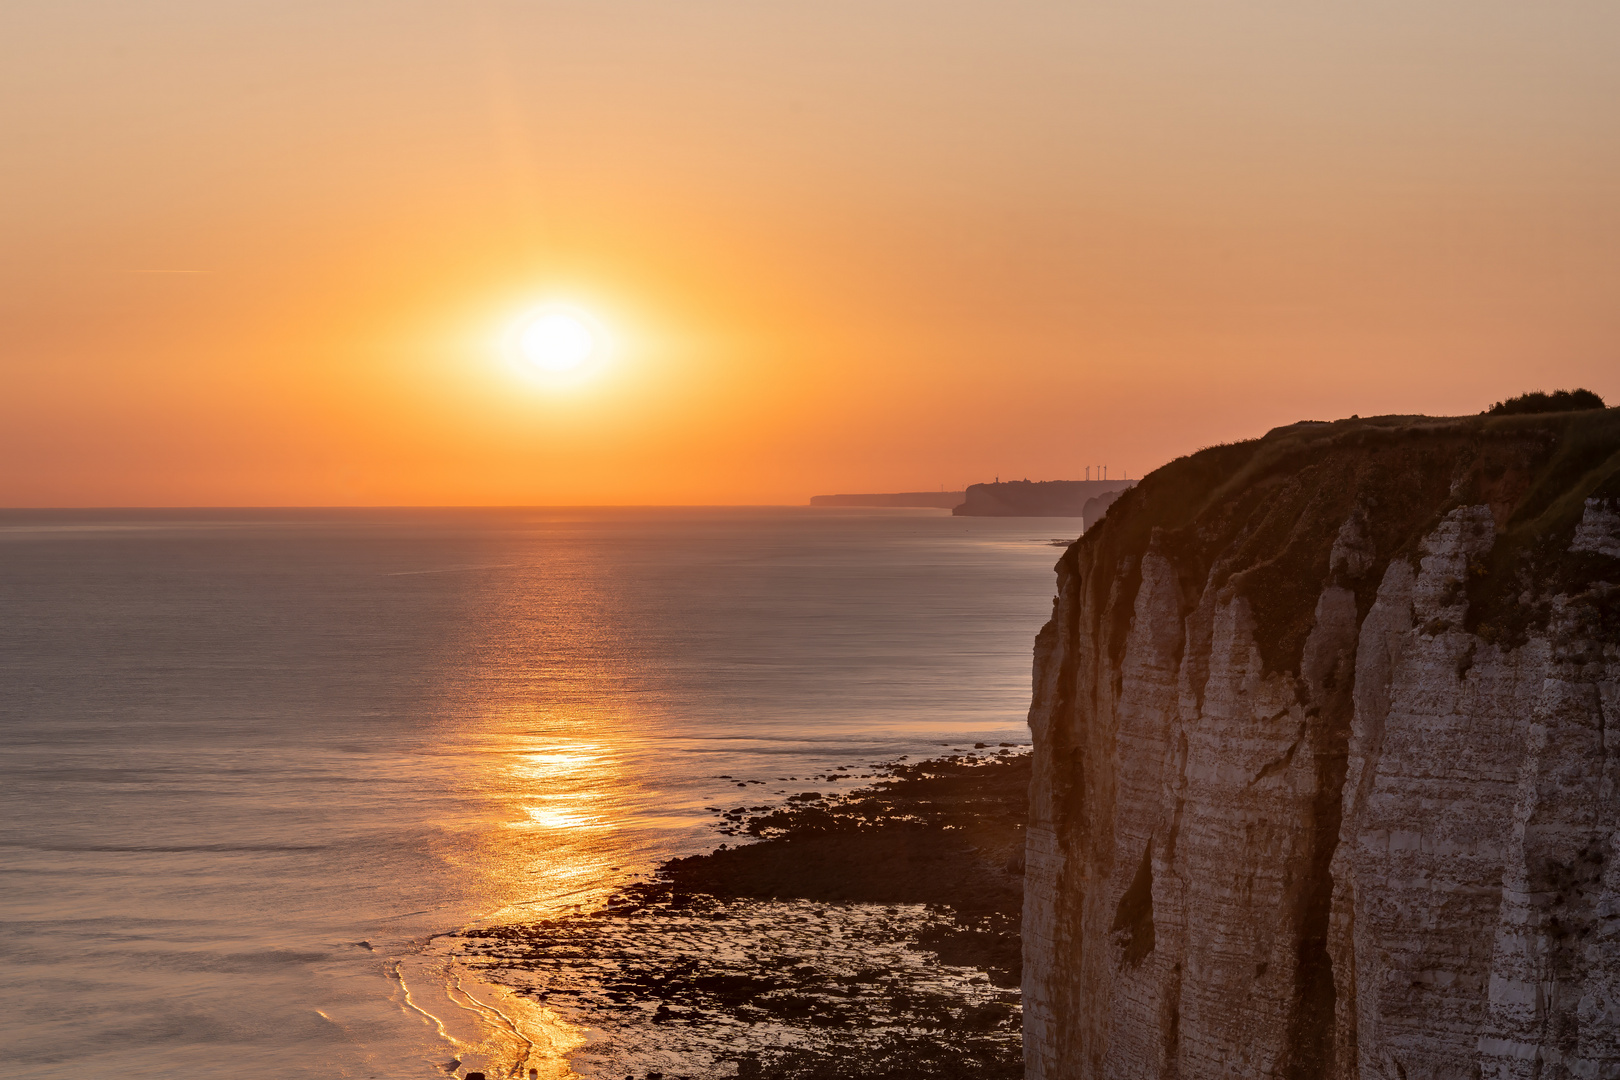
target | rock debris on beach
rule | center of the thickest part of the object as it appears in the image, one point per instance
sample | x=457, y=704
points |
x=873, y=933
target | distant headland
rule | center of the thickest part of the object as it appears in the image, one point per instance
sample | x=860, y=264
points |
x=1087, y=499
x=1042, y=498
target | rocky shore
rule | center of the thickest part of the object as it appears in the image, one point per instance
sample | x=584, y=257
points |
x=873, y=934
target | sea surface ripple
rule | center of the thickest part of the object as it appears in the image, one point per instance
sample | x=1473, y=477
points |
x=254, y=760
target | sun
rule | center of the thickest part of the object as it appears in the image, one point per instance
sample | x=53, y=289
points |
x=556, y=341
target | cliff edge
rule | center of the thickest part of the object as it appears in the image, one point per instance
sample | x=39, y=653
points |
x=1327, y=735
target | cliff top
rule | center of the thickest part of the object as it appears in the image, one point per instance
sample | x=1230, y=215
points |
x=1261, y=517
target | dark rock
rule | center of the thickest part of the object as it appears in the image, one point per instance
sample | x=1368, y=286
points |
x=1021, y=498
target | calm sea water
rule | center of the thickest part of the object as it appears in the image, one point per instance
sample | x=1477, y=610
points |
x=254, y=760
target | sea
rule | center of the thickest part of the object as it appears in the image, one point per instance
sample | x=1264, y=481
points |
x=254, y=762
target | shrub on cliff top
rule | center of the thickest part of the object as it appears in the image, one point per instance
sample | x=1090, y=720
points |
x=1539, y=402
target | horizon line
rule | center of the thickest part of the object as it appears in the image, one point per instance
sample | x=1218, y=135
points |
x=465, y=506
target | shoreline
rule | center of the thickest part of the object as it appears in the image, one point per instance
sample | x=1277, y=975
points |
x=872, y=933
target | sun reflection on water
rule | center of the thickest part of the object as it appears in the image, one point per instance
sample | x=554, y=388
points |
x=559, y=803
x=584, y=773
x=564, y=799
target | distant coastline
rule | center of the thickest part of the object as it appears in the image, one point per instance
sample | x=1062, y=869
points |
x=1085, y=499
x=1043, y=498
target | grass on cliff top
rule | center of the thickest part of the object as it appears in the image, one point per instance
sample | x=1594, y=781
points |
x=1584, y=464
x=1263, y=514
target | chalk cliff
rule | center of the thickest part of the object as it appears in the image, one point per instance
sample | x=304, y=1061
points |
x=1327, y=741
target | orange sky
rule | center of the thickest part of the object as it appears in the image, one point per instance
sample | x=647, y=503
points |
x=839, y=246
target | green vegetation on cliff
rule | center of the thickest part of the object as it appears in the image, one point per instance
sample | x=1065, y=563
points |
x=1261, y=517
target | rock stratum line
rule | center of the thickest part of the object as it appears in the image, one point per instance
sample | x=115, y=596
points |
x=1327, y=732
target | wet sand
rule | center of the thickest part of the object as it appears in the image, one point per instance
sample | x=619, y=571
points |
x=871, y=934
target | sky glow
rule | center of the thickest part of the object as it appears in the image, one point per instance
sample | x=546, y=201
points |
x=840, y=247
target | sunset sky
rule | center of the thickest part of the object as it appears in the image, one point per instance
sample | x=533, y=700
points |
x=272, y=252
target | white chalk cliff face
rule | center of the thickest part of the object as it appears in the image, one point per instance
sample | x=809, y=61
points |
x=1326, y=767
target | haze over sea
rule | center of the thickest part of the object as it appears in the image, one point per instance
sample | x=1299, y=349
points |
x=253, y=759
